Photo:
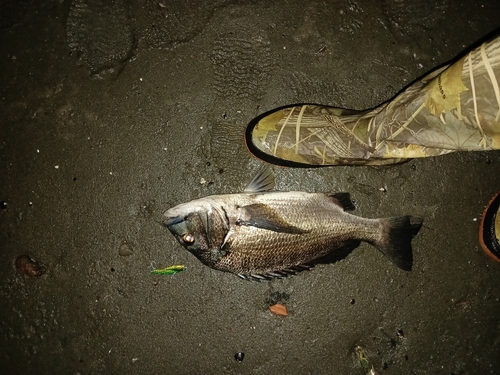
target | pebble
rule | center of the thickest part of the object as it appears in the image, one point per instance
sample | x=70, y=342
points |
x=125, y=249
x=29, y=267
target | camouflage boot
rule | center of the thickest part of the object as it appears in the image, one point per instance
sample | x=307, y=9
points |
x=454, y=108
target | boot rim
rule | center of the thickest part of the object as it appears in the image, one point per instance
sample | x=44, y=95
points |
x=488, y=238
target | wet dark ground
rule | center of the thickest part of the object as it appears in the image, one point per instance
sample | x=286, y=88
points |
x=113, y=112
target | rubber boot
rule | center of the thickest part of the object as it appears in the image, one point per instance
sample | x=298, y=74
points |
x=454, y=108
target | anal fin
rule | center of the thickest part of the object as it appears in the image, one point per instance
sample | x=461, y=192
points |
x=277, y=274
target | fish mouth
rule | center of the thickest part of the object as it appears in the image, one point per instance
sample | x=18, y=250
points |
x=173, y=220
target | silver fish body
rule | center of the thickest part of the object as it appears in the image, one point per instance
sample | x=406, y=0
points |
x=261, y=235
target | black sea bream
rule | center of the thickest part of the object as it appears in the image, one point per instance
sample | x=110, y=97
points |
x=259, y=234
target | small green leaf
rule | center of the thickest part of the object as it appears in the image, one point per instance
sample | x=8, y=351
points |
x=172, y=270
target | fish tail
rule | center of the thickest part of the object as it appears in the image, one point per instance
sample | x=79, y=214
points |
x=395, y=241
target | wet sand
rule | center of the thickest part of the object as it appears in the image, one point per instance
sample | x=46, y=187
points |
x=112, y=112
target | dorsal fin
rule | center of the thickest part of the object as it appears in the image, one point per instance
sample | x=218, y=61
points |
x=263, y=181
x=343, y=199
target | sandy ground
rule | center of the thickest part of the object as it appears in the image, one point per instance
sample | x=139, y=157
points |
x=112, y=112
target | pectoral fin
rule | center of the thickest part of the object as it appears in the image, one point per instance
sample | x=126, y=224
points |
x=262, y=216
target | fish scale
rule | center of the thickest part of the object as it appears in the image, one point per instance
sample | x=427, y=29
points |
x=326, y=228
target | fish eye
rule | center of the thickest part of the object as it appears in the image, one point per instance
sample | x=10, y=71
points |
x=188, y=238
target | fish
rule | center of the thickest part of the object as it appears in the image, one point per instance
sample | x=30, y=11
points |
x=262, y=234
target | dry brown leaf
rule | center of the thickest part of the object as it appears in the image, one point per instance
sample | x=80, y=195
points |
x=278, y=309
